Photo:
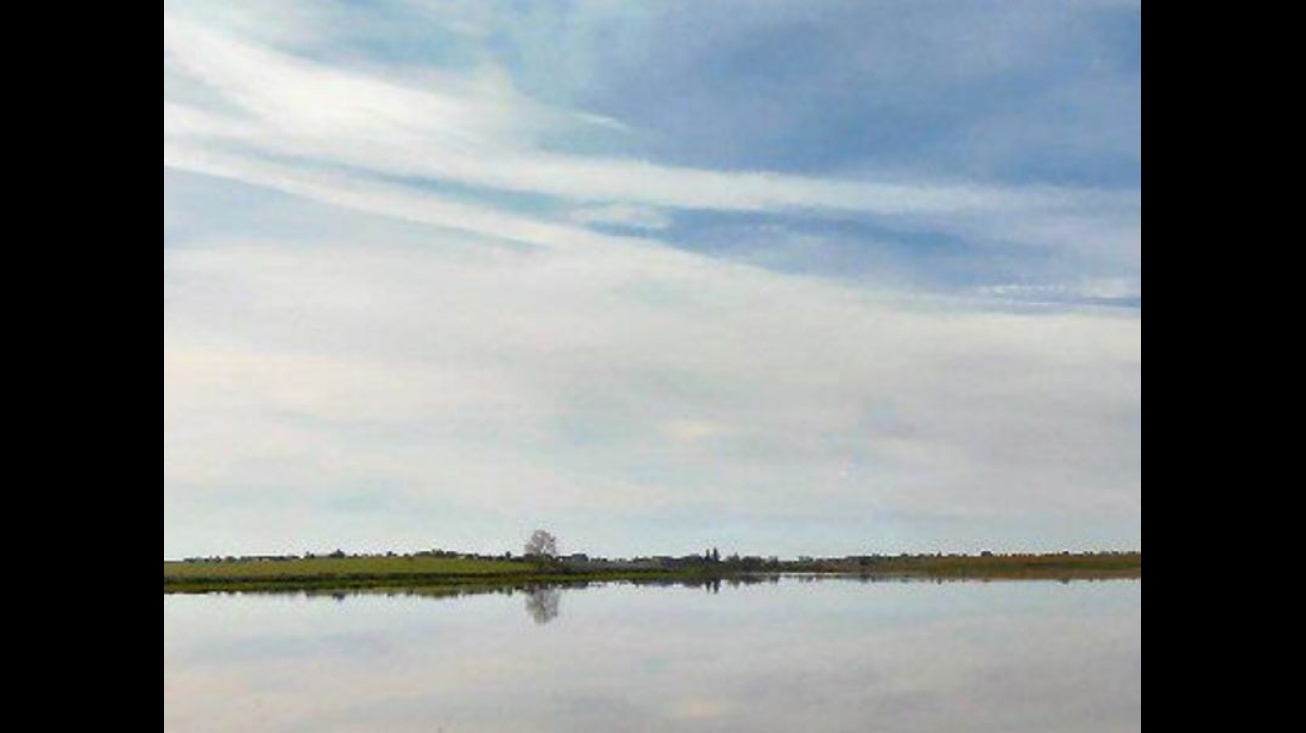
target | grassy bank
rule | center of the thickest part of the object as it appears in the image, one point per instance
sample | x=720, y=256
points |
x=1006, y=567
x=353, y=573
x=365, y=573
x=252, y=570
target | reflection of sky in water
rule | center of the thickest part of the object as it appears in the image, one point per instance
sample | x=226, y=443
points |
x=829, y=657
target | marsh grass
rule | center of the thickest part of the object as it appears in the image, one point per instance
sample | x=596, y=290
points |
x=1010, y=567
x=451, y=574
x=340, y=567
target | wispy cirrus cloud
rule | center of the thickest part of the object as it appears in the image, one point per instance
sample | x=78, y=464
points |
x=476, y=131
x=623, y=216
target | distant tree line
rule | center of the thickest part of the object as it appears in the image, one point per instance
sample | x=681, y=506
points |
x=544, y=547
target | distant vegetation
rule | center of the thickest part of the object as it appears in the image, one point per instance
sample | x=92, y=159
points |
x=342, y=566
x=442, y=569
x=1066, y=566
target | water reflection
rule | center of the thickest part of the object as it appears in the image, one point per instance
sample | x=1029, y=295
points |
x=544, y=604
x=774, y=656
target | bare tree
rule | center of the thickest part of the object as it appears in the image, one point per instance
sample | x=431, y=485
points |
x=543, y=546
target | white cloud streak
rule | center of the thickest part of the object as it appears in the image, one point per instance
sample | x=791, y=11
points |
x=623, y=216
x=475, y=131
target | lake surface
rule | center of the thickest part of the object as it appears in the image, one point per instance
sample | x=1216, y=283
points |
x=836, y=656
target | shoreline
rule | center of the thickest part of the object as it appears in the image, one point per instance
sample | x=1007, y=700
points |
x=325, y=576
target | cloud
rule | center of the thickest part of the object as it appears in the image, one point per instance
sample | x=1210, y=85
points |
x=411, y=297
x=1087, y=289
x=566, y=383
x=475, y=132
x=623, y=216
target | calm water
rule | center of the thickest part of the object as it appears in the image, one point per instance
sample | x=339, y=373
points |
x=829, y=657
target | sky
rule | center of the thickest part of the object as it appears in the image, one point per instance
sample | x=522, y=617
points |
x=781, y=277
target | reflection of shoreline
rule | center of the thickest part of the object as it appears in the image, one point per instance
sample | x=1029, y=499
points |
x=255, y=579
x=330, y=575
x=541, y=605
x=533, y=591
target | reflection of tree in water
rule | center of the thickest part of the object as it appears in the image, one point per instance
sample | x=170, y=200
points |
x=544, y=604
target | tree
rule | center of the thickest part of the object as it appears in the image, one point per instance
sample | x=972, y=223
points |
x=542, y=546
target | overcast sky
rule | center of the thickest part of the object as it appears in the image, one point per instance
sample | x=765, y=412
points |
x=778, y=276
